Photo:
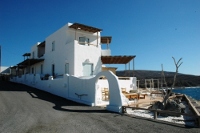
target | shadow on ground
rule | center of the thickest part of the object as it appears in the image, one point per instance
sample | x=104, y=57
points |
x=61, y=104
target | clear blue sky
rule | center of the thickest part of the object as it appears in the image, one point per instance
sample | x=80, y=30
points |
x=153, y=30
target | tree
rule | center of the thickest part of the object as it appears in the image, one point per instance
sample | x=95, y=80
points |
x=169, y=91
x=177, y=64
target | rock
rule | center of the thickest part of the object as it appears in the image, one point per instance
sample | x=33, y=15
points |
x=157, y=105
x=182, y=106
x=178, y=100
x=173, y=106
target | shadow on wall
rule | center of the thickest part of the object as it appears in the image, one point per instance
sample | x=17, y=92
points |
x=61, y=104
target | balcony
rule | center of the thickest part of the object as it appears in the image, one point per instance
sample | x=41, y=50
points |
x=105, y=52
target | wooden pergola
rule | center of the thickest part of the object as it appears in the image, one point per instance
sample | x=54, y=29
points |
x=118, y=60
x=82, y=27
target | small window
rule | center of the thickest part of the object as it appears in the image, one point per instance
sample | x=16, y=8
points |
x=67, y=68
x=53, y=70
x=33, y=55
x=32, y=70
x=53, y=46
x=84, y=40
x=41, y=69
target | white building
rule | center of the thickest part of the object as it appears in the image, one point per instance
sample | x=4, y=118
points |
x=69, y=64
x=4, y=72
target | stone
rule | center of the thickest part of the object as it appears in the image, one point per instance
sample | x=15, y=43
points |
x=182, y=106
x=173, y=106
x=157, y=105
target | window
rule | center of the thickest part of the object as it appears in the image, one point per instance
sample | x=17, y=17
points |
x=32, y=70
x=41, y=69
x=33, y=54
x=84, y=40
x=87, y=69
x=67, y=68
x=53, y=70
x=53, y=46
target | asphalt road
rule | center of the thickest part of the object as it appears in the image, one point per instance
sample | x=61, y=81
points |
x=27, y=110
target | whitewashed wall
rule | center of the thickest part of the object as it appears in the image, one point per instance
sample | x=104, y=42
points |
x=80, y=90
x=83, y=54
x=68, y=50
x=34, y=49
x=63, y=53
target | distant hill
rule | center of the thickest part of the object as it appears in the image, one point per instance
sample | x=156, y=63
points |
x=182, y=80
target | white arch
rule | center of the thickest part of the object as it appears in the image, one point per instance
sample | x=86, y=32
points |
x=115, y=101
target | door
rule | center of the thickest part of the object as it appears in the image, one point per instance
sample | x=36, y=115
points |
x=87, y=69
x=67, y=68
x=53, y=70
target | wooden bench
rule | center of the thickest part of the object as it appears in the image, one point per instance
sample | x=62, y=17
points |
x=131, y=95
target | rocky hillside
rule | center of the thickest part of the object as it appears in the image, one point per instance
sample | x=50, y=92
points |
x=182, y=80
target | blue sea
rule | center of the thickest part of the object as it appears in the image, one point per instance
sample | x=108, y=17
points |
x=191, y=92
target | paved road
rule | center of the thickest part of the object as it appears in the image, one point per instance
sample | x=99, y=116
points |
x=27, y=110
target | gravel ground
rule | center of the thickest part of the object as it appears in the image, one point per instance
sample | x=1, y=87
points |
x=27, y=110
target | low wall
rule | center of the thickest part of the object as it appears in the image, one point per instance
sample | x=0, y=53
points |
x=82, y=90
x=68, y=87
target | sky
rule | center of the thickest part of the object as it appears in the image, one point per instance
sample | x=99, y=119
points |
x=153, y=30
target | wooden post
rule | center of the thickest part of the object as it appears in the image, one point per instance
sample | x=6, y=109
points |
x=129, y=69
x=123, y=109
x=133, y=67
x=75, y=34
x=155, y=114
x=107, y=43
x=152, y=83
x=145, y=84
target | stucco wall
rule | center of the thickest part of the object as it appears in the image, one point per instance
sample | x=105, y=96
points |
x=87, y=54
x=87, y=91
x=63, y=53
x=34, y=49
x=68, y=50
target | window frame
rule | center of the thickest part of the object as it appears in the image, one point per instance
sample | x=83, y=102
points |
x=86, y=40
x=33, y=54
x=66, y=70
x=41, y=69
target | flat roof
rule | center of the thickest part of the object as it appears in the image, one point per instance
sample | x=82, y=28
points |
x=84, y=27
x=27, y=54
x=29, y=62
x=116, y=59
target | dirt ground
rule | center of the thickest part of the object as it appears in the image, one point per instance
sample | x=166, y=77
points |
x=27, y=110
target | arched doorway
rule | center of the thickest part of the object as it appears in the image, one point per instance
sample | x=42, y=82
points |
x=115, y=95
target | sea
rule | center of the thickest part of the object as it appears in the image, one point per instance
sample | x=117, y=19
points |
x=193, y=92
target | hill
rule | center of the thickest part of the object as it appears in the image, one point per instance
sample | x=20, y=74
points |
x=182, y=80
